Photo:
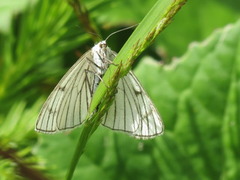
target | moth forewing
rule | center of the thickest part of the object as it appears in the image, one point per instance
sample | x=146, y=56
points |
x=68, y=104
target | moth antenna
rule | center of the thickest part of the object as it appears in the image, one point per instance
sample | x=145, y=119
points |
x=120, y=31
x=92, y=33
x=99, y=36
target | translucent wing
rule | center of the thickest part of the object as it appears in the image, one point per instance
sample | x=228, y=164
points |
x=132, y=111
x=68, y=104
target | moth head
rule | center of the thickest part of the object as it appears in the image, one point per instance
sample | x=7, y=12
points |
x=103, y=45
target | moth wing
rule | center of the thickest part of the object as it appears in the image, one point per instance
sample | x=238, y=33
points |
x=132, y=110
x=68, y=104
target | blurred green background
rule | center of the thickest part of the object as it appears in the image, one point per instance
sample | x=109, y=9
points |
x=197, y=94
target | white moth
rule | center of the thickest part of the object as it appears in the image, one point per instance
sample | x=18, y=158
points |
x=67, y=106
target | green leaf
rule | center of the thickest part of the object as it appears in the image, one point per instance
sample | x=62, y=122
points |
x=198, y=98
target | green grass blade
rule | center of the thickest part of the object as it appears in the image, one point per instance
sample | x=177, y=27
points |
x=153, y=23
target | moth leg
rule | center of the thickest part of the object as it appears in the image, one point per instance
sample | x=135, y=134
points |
x=111, y=63
x=99, y=77
x=107, y=60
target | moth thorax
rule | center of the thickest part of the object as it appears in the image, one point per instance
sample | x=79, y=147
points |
x=101, y=56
